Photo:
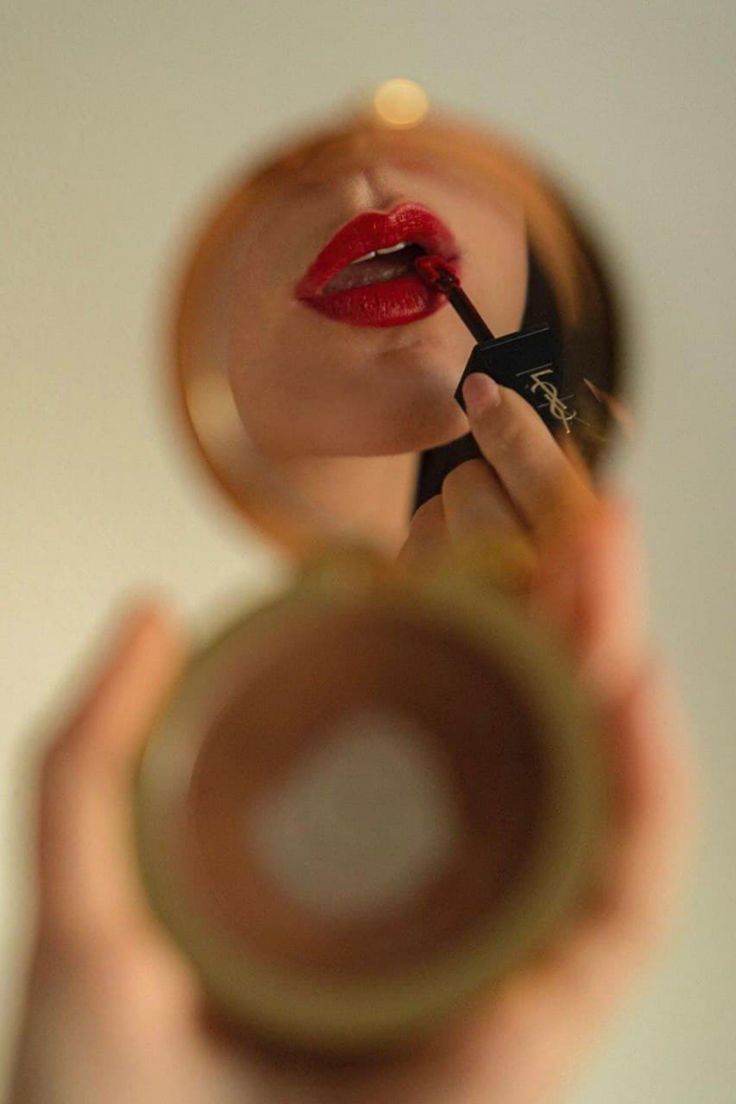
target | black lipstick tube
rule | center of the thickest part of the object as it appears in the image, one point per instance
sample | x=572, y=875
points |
x=525, y=361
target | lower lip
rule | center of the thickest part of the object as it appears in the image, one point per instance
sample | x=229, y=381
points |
x=391, y=303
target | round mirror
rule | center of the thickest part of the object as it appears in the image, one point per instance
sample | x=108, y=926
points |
x=314, y=366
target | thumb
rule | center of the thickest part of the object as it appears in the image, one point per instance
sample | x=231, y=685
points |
x=87, y=881
x=591, y=583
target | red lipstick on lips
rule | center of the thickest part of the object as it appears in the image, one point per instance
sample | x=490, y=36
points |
x=365, y=275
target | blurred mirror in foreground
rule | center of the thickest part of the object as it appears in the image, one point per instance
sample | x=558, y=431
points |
x=366, y=805
x=314, y=365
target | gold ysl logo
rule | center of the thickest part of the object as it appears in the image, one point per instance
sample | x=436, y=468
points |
x=557, y=407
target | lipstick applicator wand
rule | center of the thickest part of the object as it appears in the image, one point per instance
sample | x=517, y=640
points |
x=436, y=272
x=524, y=361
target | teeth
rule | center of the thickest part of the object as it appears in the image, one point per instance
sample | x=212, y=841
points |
x=392, y=248
x=380, y=252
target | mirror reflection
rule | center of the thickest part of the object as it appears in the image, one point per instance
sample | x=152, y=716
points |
x=315, y=364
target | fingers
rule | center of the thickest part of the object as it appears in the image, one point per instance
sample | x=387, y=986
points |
x=526, y=487
x=643, y=731
x=427, y=533
x=610, y=612
x=474, y=503
x=544, y=486
x=86, y=869
x=473, y=506
x=630, y=909
x=645, y=740
x=654, y=809
x=590, y=577
x=592, y=585
x=590, y=573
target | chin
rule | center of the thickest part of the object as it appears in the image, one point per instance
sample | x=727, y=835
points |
x=410, y=410
x=420, y=428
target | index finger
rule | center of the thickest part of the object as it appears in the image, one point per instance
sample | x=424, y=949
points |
x=545, y=486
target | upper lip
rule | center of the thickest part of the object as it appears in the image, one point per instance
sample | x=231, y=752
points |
x=372, y=230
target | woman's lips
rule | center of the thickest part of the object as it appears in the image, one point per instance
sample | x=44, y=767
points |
x=385, y=290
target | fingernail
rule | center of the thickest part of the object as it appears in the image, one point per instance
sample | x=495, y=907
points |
x=480, y=393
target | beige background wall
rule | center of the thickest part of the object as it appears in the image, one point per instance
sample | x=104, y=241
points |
x=117, y=119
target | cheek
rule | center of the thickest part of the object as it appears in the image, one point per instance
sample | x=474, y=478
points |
x=496, y=278
x=303, y=384
x=292, y=387
x=506, y=311
x=259, y=351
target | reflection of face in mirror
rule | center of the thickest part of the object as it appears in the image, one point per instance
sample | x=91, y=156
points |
x=340, y=362
x=377, y=380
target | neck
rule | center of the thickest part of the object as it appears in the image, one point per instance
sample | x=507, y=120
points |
x=373, y=495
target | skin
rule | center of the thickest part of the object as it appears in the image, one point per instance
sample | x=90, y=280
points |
x=306, y=385
x=343, y=411
x=112, y=1011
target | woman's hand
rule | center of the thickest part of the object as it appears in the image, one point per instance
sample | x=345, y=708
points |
x=113, y=1012
x=526, y=489
x=586, y=580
